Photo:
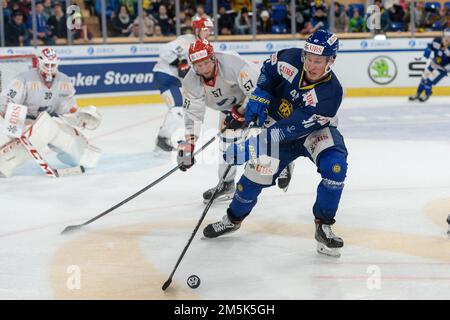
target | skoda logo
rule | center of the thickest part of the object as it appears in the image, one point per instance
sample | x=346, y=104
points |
x=90, y=50
x=223, y=46
x=382, y=70
x=364, y=44
x=269, y=46
x=10, y=51
x=133, y=49
x=412, y=43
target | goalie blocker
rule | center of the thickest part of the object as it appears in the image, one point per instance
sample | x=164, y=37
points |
x=55, y=132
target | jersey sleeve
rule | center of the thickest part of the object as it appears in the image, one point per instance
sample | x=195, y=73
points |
x=66, y=91
x=173, y=51
x=15, y=92
x=269, y=77
x=194, y=105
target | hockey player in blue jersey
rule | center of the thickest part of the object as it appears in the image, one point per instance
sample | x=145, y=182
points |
x=297, y=96
x=438, y=67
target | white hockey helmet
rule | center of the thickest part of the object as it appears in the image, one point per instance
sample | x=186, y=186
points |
x=48, y=64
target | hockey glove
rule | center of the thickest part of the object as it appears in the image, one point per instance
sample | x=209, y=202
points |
x=257, y=106
x=183, y=68
x=185, y=157
x=234, y=120
x=250, y=149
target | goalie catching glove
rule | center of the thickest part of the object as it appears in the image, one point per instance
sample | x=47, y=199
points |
x=87, y=118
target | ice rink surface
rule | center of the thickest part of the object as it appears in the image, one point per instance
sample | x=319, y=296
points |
x=391, y=217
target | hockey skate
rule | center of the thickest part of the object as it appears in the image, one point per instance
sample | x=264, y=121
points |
x=285, y=177
x=327, y=242
x=163, y=144
x=414, y=98
x=424, y=98
x=221, y=227
x=225, y=192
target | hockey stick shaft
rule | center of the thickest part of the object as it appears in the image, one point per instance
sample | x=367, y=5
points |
x=74, y=227
x=46, y=168
x=205, y=211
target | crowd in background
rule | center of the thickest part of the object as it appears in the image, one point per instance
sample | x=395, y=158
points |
x=234, y=17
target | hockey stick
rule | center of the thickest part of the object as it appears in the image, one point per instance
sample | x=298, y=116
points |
x=48, y=170
x=78, y=226
x=205, y=211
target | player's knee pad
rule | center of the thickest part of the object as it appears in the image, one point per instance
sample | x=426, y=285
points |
x=12, y=155
x=333, y=168
x=244, y=198
x=73, y=148
x=262, y=170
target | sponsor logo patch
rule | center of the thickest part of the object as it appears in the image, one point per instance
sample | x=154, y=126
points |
x=310, y=98
x=287, y=71
x=314, y=48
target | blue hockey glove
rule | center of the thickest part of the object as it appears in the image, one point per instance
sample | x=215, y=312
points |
x=250, y=149
x=257, y=106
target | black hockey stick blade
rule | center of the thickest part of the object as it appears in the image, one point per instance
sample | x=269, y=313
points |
x=166, y=284
x=71, y=228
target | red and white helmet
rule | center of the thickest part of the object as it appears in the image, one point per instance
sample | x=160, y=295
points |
x=202, y=24
x=48, y=64
x=200, y=50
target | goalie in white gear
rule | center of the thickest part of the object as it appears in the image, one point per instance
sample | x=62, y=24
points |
x=221, y=81
x=52, y=115
x=169, y=72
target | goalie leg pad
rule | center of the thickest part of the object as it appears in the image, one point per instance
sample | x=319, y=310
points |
x=73, y=148
x=12, y=155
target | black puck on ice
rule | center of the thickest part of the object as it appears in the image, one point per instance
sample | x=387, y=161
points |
x=193, y=281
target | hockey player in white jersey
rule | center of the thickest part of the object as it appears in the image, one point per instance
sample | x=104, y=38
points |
x=169, y=71
x=221, y=81
x=51, y=117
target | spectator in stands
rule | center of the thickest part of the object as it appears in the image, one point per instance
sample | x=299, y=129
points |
x=57, y=23
x=264, y=25
x=396, y=13
x=41, y=25
x=317, y=4
x=157, y=31
x=6, y=12
x=225, y=21
x=200, y=13
x=122, y=23
x=131, y=6
x=384, y=17
x=48, y=11
x=135, y=30
x=148, y=23
x=111, y=7
x=341, y=20
x=431, y=18
x=444, y=18
x=356, y=23
x=164, y=21
x=419, y=16
x=16, y=34
x=319, y=20
x=242, y=22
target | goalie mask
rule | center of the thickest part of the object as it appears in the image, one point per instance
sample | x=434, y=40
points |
x=48, y=64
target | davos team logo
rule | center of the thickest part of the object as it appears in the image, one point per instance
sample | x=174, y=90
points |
x=223, y=46
x=269, y=46
x=382, y=70
x=412, y=43
x=90, y=50
x=364, y=44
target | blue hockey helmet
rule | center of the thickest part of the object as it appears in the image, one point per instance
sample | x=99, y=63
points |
x=322, y=43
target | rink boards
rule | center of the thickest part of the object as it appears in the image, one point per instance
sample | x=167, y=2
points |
x=123, y=74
